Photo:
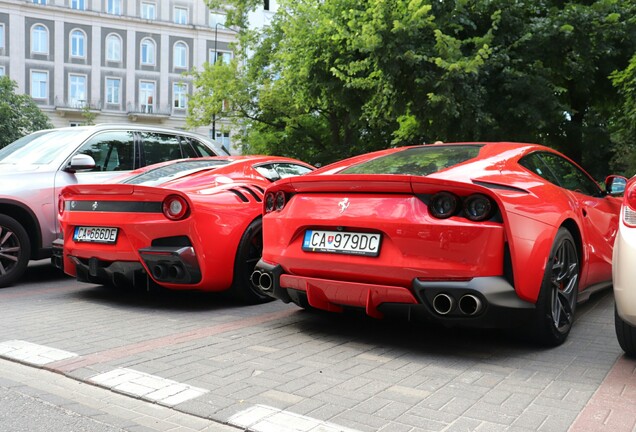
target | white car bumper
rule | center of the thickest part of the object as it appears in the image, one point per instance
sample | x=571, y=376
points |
x=624, y=273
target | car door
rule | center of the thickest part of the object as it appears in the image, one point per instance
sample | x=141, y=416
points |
x=599, y=215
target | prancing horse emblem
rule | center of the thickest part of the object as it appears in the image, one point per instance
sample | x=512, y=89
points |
x=95, y=206
x=344, y=204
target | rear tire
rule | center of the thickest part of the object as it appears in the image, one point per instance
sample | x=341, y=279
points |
x=557, y=299
x=247, y=255
x=626, y=335
x=15, y=250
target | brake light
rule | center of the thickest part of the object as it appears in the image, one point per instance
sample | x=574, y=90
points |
x=275, y=201
x=478, y=207
x=175, y=207
x=443, y=205
x=60, y=205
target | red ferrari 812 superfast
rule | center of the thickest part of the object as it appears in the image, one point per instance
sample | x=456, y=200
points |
x=465, y=234
x=189, y=224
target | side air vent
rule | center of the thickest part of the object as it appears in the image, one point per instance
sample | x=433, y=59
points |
x=239, y=194
x=253, y=193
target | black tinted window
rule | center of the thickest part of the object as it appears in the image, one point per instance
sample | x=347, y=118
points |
x=160, y=147
x=420, y=161
x=112, y=151
x=277, y=171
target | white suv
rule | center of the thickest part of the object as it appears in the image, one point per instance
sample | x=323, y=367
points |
x=624, y=272
x=36, y=167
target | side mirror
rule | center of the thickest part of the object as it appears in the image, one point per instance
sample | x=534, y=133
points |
x=615, y=185
x=81, y=162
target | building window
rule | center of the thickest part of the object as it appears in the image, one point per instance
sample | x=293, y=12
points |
x=266, y=5
x=113, y=7
x=2, y=71
x=39, y=84
x=39, y=39
x=179, y=92
x=2, y=36
x=113, y=91
x=180, y=15
x=42, y=2
x=148, y=10
x=217, y=19
x=147, y=52
x=77, y=91
x=180, y=58
x=78, y=44
x=224, y=57
x=147, y=96
x=113, y=48
x=223, y=138
x=78, y=4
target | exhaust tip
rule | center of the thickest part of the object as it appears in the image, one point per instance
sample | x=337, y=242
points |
x=443, y=304
x=176, y=271
x=159, y=271
x=265, y=281
x=470, y=304
x=255, y=278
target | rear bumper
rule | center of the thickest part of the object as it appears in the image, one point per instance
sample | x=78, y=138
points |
x=486, y=302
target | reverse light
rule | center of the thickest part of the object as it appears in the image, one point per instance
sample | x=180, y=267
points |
x=443, y=205
x=175, y=207
x=478, y=207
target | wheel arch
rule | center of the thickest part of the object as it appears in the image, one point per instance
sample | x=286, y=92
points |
x=575, y=231
x=25, y=217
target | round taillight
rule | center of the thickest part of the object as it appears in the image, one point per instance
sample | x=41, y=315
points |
x=269, y=203
x=443, y=205
x=279, y=201
x=175, y=207
x=478, y=207
x=60, y=205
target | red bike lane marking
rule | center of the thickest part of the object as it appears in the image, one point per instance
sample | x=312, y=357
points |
x=613, y=405
x=75, y=363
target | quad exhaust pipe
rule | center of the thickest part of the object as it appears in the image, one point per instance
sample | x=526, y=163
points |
x=468, y=304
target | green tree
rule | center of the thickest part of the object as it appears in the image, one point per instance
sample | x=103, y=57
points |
x=336, y=78
x=624, y=124
x=19, y=115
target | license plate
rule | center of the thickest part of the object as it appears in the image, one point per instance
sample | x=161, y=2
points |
x=352, y=243
x=95, y=234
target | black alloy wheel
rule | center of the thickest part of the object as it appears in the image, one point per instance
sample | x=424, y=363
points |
x=557, y=299
x=247, y=255
x=15, y=250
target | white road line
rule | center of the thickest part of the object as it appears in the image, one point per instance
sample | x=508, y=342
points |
x=149, y=387
x=31, y=353
x=263, y=418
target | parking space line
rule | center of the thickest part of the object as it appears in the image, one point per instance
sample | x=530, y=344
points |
x=263, y=418
x=27, y=352
x=148, y=345
x=149, y=387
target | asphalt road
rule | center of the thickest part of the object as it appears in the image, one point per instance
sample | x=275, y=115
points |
x=196, y=361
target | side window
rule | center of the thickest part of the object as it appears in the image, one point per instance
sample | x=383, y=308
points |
x=160, y=147
x=112, y=151
x=570, y=176
x=277, y=171
x=201, y=149
x=187, y=149
x=560, y=172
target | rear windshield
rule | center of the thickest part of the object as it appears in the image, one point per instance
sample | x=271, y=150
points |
x=172, y=171
x=420, y=161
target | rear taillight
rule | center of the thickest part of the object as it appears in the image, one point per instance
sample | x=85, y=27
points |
x=175, y=207
x=60, y=205
x=629, y=204
x=476, y=207
x=275, y=201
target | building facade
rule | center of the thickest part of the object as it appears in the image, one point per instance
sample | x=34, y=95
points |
x=114, y=60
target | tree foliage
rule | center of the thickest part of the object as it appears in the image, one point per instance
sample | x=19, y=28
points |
x=624, y=125
x=335, y=78
x=19, y=115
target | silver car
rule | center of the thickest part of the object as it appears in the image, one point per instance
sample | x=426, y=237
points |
x=36, y=167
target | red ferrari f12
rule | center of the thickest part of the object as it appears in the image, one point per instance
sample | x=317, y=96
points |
x=192, y=224
x=468, y=234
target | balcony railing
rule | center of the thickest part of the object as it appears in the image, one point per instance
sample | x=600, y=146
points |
x=148, y=111
x=76, y=105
